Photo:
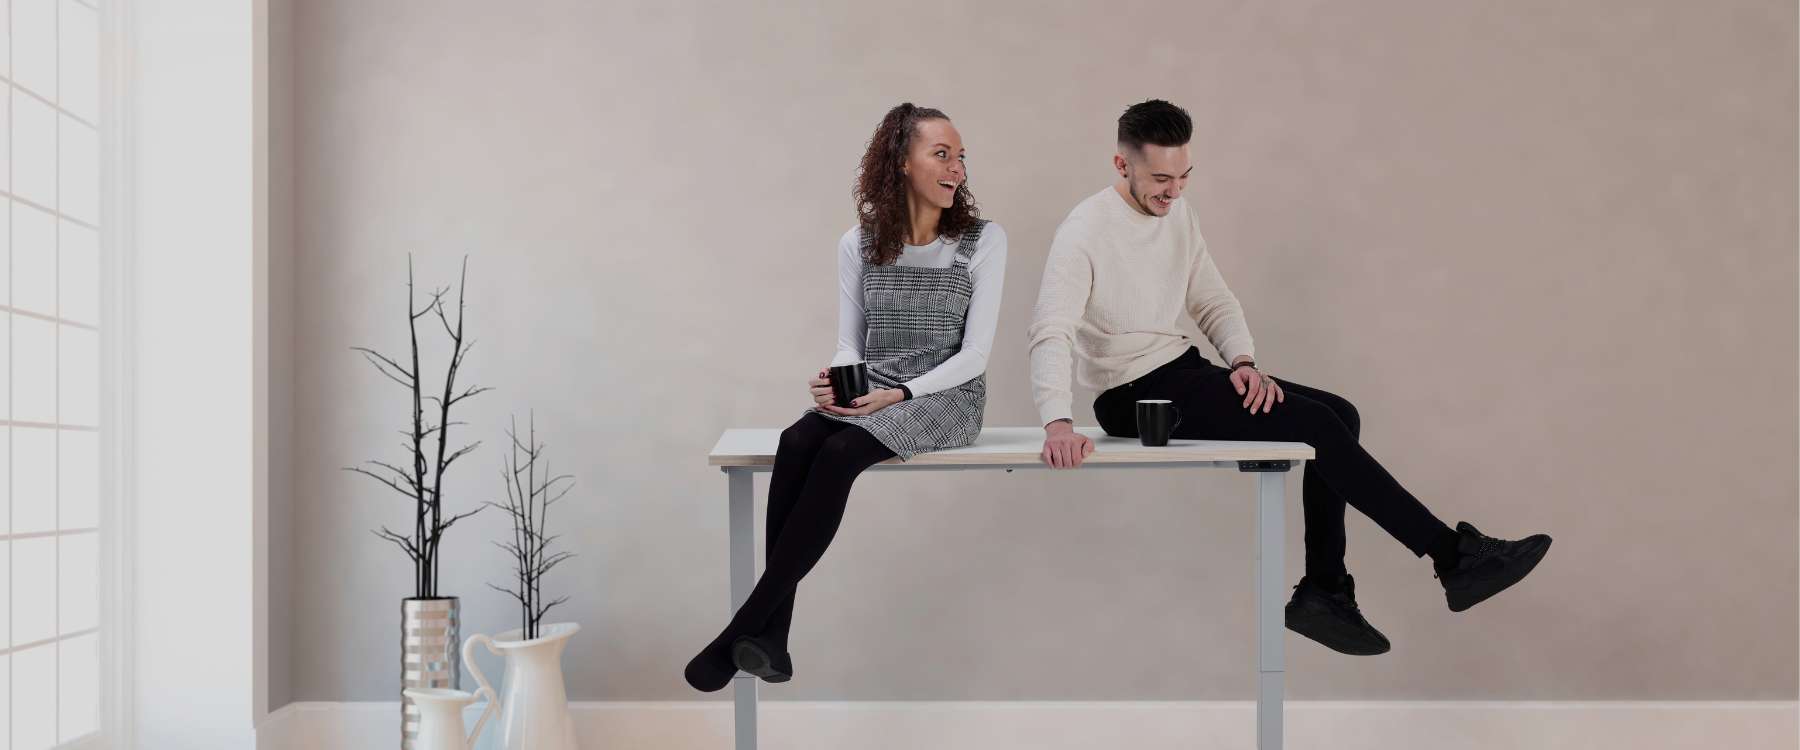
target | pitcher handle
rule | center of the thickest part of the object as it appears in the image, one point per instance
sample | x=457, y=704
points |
x=493, y=704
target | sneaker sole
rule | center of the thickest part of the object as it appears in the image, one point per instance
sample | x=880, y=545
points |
x=1320, y=630
x=1461, y=599
x=752, y=659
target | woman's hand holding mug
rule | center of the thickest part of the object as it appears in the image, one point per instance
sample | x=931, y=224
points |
x=821, y=389
x=875, y=401
x=825, y=398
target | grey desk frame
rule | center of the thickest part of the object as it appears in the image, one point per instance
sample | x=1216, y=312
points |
x=1270, y=461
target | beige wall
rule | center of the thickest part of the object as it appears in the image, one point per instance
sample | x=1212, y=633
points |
x=1548, y=249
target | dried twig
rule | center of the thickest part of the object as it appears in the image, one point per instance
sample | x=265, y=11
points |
x=424, y=482
x=528, y=501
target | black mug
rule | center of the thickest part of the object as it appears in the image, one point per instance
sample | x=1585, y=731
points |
x=849, y=382
x=1156, y=420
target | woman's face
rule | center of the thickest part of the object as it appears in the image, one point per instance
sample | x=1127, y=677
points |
x=934, y=163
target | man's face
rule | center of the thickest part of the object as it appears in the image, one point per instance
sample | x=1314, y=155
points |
x=1156, y=175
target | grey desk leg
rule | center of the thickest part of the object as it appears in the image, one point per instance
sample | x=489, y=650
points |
x=743, y=578
x=1270, y=620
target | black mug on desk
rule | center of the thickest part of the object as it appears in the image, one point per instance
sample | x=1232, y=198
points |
x=849, y=382
x=1156, y=420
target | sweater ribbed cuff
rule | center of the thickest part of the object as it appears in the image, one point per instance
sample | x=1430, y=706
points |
x=1232, y=350
x=1052, y=412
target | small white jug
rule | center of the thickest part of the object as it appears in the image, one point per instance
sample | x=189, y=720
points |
x=535, y=712
x=440, y=717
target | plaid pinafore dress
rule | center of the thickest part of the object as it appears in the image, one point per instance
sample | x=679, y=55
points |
x=914, y=317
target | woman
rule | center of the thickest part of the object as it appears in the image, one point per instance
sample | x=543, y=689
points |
x=919, y=281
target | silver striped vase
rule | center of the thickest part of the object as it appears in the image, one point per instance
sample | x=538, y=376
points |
x=429, y=657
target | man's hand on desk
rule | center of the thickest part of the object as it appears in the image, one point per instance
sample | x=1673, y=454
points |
x=1064, y=448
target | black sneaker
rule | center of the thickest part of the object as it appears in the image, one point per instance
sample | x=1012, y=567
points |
x=1333, y=619
x=761, y=658
x=1488, y=565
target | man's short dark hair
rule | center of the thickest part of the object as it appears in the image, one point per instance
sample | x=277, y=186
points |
x=1155, y=122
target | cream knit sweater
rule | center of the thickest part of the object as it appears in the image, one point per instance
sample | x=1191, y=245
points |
x=1115, y=287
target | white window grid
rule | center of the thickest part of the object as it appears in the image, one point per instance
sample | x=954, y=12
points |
x=58, y=427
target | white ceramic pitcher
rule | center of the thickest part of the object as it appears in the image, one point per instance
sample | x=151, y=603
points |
x=441, y=717
x=534, y=711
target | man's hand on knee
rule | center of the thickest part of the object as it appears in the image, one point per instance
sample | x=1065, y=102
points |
x=1260, y=390
x=1064, y=448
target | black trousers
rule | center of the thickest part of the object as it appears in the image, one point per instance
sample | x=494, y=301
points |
x=1342, y=473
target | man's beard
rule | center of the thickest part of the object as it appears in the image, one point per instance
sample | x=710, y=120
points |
x=1143, y=205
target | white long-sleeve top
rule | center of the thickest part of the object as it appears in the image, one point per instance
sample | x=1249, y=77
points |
x=1115, y=287
x=987, y=270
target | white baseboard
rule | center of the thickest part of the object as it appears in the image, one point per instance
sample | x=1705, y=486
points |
x=1049, y=725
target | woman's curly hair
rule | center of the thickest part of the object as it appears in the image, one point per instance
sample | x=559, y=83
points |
x=880, y=190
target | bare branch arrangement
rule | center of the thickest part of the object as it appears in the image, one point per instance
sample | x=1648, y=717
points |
x=427, y=442
x=529, y=495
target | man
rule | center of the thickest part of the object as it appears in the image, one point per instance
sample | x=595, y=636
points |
x=1124, y=266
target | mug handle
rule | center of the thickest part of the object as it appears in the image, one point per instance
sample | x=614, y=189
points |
x=493, y=706
x=1177, y=411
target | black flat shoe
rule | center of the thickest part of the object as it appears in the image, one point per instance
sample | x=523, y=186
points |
x=1333, y=620
x=710, y=670
x=760, y=657
x=1488, y=566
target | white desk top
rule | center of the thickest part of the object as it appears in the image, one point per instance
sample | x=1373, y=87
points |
x=1014, y=446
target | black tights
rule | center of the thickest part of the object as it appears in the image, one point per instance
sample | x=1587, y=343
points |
x=815, y=464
